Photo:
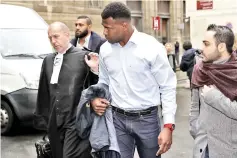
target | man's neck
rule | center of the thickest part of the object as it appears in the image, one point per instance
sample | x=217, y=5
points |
x=127, y=37
x=64, y=50
x=224, y=58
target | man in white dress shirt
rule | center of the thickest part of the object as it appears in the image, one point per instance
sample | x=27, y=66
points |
x=136, y=68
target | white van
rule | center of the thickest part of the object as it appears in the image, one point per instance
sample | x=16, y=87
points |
x=23, y=45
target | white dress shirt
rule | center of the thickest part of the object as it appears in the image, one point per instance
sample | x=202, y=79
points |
x=57, y=64
x=139, y=75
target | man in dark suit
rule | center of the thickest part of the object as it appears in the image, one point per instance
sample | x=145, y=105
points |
x=62, y=80
x=85, y=37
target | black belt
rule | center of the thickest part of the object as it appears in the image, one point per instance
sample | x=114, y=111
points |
x=134, y=113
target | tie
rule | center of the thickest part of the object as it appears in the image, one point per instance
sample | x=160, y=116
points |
x=56, y=68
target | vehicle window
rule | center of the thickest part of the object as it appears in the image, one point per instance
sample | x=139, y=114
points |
x=24, y=42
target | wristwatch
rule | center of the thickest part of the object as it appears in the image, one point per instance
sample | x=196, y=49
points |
x=170, y=126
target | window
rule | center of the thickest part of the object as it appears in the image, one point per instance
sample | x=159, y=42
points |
x=137, y=22
x=95, y=4
x=135, y=5
x=24, y=41
x=163, y=7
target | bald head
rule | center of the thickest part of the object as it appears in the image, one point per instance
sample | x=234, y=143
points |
x=60, y=27
x=59, y=36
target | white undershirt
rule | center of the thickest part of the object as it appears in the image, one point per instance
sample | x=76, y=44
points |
x=57, y=64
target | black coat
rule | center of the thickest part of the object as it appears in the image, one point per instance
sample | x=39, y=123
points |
x=188, y=62
x=94, y=46
x=65, y=95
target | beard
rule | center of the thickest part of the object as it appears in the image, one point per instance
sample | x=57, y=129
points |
x=212, y=58
x=83, y=34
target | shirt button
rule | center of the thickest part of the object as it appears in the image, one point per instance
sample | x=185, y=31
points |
x=56, y=100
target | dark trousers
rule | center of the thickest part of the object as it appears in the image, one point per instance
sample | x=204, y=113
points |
x=140, y=131
x=65, y=143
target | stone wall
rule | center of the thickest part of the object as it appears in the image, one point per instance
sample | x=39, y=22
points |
x=64, y=11
x=68, y=11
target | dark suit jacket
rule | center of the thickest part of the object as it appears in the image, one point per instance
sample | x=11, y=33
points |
x=188, y=62
x=94, y=44
x=65, y=95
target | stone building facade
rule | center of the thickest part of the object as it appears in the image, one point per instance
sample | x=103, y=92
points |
x=219, y=12
x=171, y=12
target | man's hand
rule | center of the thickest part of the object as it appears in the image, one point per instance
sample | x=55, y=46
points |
x=99, y=105
x=93, y=63
x=164, y=141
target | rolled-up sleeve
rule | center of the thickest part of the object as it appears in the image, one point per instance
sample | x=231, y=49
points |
x=166, y=79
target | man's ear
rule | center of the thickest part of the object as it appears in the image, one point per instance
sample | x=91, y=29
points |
x=89, y=27
x=222, y=47
x=125, y=25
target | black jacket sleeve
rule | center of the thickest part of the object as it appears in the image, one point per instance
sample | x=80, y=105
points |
x=102, y=41
x=41, y=113
x=187, y=61
x=91, y=78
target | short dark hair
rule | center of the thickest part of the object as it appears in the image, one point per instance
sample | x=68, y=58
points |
x=223, y=35
x=88, y=20
x=116, y=10
x=187, y=45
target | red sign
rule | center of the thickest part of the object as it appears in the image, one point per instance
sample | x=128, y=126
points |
x=204, y=4
x=156, y=23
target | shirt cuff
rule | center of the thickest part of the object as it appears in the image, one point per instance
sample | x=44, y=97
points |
x=169, y=118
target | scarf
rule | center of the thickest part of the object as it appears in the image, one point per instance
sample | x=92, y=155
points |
x=223, y=76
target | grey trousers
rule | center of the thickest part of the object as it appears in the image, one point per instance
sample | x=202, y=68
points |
x=137, y=131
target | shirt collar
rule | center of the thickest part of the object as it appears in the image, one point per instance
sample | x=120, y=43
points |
x=134, y=38
x=88, y=38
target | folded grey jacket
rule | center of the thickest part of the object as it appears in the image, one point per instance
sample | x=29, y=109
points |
x=99, y=129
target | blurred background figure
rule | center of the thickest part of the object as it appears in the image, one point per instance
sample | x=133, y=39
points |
x=176, y=46
x=171, y=55
x=188, y=59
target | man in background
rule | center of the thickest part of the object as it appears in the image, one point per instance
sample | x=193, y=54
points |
x=85, y=37
x=176, y=46
x=188, y=59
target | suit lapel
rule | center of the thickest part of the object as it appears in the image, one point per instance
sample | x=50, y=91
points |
x=94, y=41
x=91, y=44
